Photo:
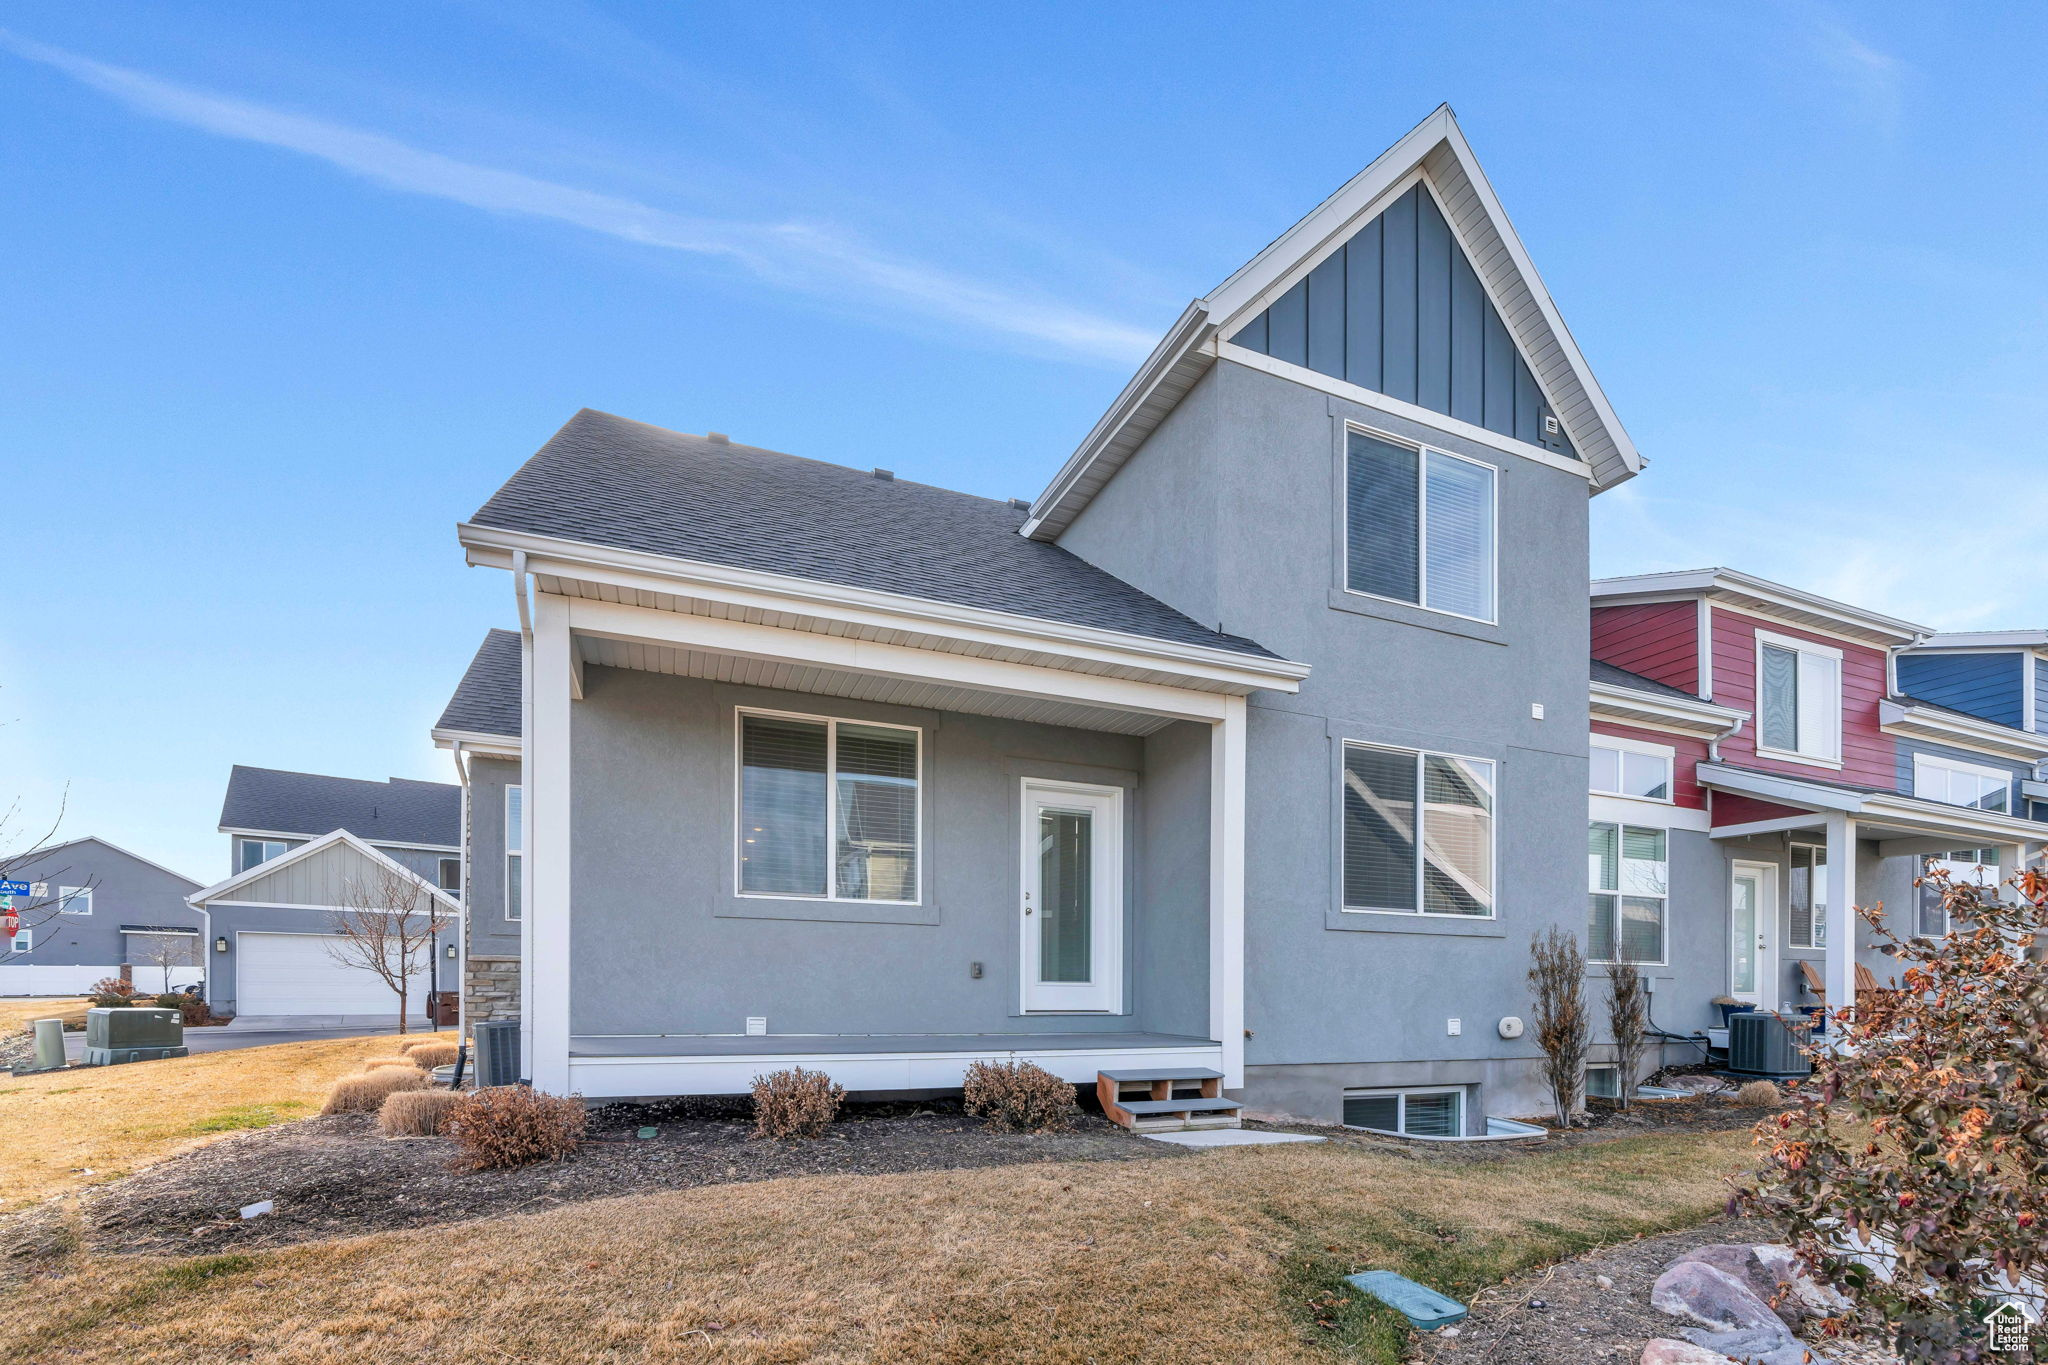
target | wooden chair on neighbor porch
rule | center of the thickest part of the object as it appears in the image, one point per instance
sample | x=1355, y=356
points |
x=1866, y=983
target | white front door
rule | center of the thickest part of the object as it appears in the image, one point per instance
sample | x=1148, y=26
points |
x=1072, y=907
x=1753, y=935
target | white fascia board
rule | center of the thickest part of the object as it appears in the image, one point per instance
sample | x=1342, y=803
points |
x=218, y=891
x=1627, y=706
x=1087, y=646
x=1720, y=582
x=1985, y=639
x=1785, y=791
x=240, y=832
x=38, y=854
x=1369, y=398
x=477, y=743
x=1967, y=825
x=1965, y=732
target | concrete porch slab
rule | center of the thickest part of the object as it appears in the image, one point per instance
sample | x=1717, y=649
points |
x=1230, y=1137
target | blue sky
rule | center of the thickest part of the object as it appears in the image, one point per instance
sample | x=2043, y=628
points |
x=291, y=288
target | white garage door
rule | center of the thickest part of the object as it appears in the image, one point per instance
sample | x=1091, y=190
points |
x=296, y=974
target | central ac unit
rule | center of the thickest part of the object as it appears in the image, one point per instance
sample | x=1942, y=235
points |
x=1768, y=1045
x=497, y=1052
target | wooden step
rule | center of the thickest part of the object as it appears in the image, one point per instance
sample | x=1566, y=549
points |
x=1162, y=1100
x=1188, y=1106
x=1192, y=1073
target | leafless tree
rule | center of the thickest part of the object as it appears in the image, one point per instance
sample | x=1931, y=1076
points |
x=166, y=951
x=389, y=925
x=1628, y=1016
x=21, y=859
x=1557, y=975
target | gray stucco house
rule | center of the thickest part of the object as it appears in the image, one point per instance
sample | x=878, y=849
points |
x=270, y=922
x=1258, y=741
x=480, y=728
x=93, y=908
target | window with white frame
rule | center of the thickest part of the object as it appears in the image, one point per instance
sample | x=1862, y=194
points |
x=1807, y=896
x=1957, y=783
x=1799, y=698
x=74, y=900
x=828, y=809
x=1626, y=767
x=24, y=940
x=1410, y=1113
x=253, y=852
x=1977, y=866
x=1418, y=526
x=515, y=844
x=1603, y=1082
x=1418, y=832
x=1628, y=872
x=451, y=876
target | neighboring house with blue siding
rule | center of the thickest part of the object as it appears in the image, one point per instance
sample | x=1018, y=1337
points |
x=93, y=909
x=480, y=727
x=1257, y=742
x=273, y=917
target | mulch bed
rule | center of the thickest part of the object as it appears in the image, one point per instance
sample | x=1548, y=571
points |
x=336, y=1177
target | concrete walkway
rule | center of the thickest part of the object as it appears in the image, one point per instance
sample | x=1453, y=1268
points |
x=226, y=1038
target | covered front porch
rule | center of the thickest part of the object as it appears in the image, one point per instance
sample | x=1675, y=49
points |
x=1861, y=847
x=1028, y=843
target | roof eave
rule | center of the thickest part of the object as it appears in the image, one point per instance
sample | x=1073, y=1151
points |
x=1733, y=583
x=1628, y=706
x=1925, y=722
x=483, y=742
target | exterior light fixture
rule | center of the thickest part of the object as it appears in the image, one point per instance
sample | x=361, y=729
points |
x=220, y=945
x=451, y=952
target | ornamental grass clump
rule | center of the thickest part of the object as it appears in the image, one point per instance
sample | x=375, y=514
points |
x=1761, y=1094
x=1922, y=1137
x=427, y=1056
x=1019, y=1097
x=364, y=1093
x=377, y=1063
x=417, y=1113
x=513, y=1125
x=795, y=1103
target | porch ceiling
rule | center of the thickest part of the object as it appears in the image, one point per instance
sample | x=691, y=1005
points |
x=792, y=677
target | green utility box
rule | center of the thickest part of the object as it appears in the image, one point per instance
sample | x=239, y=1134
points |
x=123, y=1034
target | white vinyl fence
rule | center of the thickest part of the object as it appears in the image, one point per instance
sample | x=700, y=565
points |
x=24, y=979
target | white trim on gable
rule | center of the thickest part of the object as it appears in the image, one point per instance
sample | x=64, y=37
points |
x=219, y=890
x=1434, y=151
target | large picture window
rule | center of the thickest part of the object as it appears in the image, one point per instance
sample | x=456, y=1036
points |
x=828, y=809
x=1418, y=832
x=1419, y=526
x=1957, y=783
x=1628, y=871
x=1799, y=699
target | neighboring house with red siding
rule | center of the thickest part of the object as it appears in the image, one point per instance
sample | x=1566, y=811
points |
x=1802, y=781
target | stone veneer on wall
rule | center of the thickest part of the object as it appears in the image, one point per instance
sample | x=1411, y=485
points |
x=490, y=989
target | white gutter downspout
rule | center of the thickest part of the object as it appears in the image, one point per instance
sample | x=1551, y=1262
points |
x=462, y=925
x=520, y=596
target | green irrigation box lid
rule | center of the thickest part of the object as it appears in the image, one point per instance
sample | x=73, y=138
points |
x=1421, y=1305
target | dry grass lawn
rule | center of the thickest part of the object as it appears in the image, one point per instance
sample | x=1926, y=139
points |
x=1232, y=1255
x=16, y=1015
x=56, y=1127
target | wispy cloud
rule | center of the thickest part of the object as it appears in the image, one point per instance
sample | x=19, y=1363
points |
x=794, y=256
x=1873, y=80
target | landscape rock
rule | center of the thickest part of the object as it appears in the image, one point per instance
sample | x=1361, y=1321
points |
x=1701, y=1292
x=1772, y=1273
x=1665, y=1351
x=1759, y=1347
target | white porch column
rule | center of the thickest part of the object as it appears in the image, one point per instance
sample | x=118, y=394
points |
x=1226, y=888
x=1840, y=973
x=546, y=859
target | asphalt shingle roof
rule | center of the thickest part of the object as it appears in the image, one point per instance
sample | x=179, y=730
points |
x=400, y=811
x=605, y=480
x=1621, y=677
x=486, y=701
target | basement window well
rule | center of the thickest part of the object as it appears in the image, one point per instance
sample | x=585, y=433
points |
x=1407, y=1113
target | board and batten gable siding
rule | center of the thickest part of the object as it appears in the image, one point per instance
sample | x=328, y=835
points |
x=1398, y=309
x=1988, y=686
x=1656, y=640
x=323, y=879
x=1868, y=753
x=2040, y=693
x=1687, y=753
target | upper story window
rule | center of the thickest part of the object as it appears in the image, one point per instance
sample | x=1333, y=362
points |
x=1627, y=767
x=451, y=876
x=1799, y=699
x=24, y=940
x=1418, y=832
x=515, y=843
x=74, y=900
x=250, y=852
x=1961, y=784
x=1419, y=526
x=827, y=808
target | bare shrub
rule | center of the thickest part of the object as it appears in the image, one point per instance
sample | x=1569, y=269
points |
x=364, y=1093
x=512, y=1125
x=1020, y=1097
x=417, y=1113
x=795, y=1103
x=1760, y=1093
x=427, y=1056
x=1628, y=1019
x=1557, y=975
x=377, y=1063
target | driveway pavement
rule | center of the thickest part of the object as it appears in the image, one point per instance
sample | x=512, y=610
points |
x=231, y=1036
